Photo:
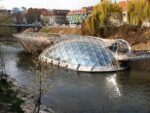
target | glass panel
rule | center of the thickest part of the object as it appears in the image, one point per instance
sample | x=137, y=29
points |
x=83, y=51
x=74, y=61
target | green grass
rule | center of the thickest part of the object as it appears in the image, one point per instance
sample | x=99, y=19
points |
x=8, y=100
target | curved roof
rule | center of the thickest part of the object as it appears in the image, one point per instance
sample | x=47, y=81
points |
x=81, y=54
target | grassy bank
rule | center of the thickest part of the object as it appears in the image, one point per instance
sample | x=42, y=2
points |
x=7, y=31
x=9, y=103
x=61, y=30
x=6, y=34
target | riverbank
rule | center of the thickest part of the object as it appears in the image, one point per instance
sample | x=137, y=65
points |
x=16, y=99
x=9, y=102
x=7, y=38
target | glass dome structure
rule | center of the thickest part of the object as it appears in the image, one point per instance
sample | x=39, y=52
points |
x=82, y=54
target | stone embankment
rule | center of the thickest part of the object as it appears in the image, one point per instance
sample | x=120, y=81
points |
x=29, y=99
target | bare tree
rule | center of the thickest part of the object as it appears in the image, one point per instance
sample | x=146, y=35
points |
x=41, y=83
x=2, y=66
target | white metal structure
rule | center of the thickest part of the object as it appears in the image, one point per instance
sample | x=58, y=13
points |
x=86, y=54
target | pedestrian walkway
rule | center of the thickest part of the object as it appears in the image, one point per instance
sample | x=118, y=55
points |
x=136, y=56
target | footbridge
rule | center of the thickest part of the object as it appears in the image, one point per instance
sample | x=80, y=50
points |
x=136, y=56
x=35, y=27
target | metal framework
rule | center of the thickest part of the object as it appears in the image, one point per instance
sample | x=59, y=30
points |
x=84, y=54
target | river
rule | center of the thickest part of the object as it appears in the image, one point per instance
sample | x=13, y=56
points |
x=75, y=92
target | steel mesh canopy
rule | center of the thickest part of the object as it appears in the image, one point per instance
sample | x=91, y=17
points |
x=81, y=54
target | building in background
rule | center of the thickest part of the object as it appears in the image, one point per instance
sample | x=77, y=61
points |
x=54, y=17
x=75, y=17
x=58, y=17
x=45, y=16
x=123, y=5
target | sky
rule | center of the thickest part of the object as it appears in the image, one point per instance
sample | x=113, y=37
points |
x=49, y=4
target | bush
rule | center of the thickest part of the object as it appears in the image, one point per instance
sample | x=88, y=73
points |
x=6, y=19
x=99, y=22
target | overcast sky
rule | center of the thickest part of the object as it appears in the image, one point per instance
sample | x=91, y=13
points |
x=49, y=4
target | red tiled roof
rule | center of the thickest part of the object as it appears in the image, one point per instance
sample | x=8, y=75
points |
x=89, y=9
x=80, y=11
x=44, y=12
x=84, y=10
x=122, y=4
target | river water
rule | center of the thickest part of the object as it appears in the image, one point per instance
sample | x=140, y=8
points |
x=73, y=92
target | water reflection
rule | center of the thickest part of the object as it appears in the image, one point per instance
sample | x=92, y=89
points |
x=112, y=81
x=77, y=92
x=23, y=60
